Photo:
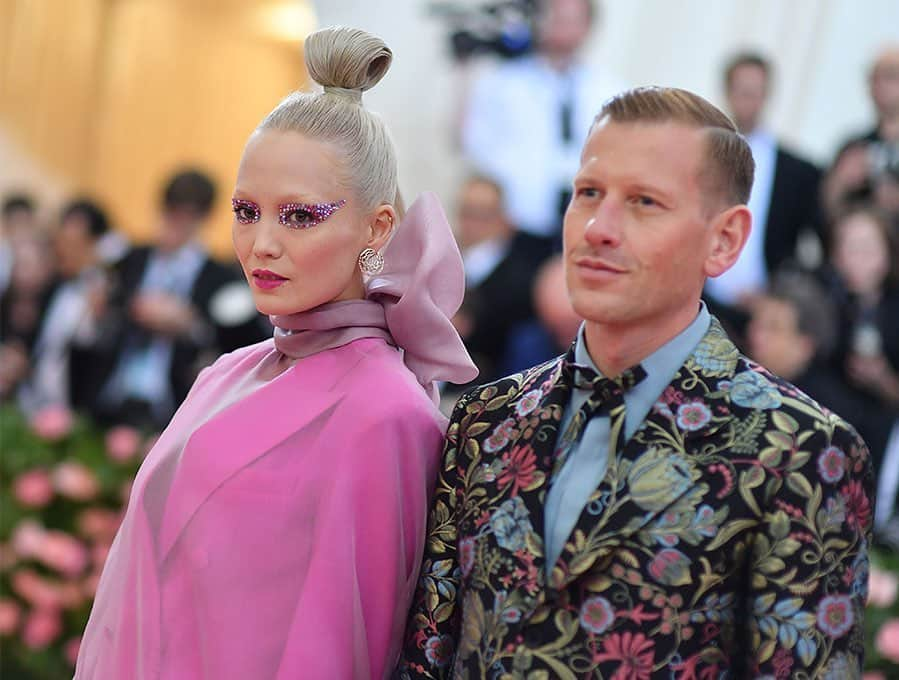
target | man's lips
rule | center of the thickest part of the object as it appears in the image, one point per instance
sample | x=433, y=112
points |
x=598, y=265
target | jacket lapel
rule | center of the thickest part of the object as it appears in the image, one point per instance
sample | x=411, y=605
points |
x=242, y=433
x=656, y=471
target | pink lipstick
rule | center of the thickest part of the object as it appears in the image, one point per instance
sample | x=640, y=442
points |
x=267, y=280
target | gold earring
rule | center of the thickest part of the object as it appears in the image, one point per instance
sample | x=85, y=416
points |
x=371, y=262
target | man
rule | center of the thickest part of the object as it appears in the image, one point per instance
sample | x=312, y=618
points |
x=793, y=332
x=17, y=219
x=526, y=119
x=883, y=86
x=710, y=520
x=172, y=303
x=67, y=319
x=784, y=197
x=556, y=323
x=500, y=264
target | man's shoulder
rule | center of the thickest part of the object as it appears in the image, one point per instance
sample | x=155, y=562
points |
x=778, y=394
x=512, y=387
x=794, y=162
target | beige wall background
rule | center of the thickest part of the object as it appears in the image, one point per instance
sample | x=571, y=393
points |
x=108, y=97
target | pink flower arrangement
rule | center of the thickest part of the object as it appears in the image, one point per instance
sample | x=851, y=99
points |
x=122, y=443
x=882, y=588
x=888, y=640
x=10, y=615
x=98, y=524
x=63, y=553
x=41, y=628
x=75, y=481
x=52, y=423
x=71, y=649
x=27, y=538
x=33, y=489
x=36, y=590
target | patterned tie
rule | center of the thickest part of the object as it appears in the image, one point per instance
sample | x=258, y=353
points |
x=606, y=398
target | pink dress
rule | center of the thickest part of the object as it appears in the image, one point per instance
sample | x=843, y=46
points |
x=275, y=530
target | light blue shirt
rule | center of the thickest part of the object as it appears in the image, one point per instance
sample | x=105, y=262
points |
x=586, y=464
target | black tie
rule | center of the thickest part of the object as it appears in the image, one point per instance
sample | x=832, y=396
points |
x=606, y=398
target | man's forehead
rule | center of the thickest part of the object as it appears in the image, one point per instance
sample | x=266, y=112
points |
x=652, y=139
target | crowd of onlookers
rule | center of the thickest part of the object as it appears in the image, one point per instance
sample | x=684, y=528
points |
x=117, y=331
x=91, y=323
x=815, y=293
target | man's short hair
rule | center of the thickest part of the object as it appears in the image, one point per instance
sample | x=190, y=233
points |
x=92, y=213
x=190, y=189
x=729, y=168
x=745, y=59
x=17, y=202
x=483, y=178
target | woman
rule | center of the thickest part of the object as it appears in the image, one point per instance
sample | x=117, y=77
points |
x=863, y=282
x=275, y=529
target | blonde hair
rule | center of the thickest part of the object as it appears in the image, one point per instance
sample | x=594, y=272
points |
x=731, y=168
x=346, y=62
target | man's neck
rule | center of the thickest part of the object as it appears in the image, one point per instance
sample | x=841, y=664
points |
x=559, y=62
x=615, y=348
x=888, y=128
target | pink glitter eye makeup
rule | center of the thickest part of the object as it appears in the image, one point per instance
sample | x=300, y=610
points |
x=246, y=212
x=305, y=215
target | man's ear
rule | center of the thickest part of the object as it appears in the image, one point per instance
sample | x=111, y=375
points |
x=730, y=231
x=382, y=224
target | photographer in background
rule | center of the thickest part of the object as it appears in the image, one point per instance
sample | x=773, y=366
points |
x=526, y=119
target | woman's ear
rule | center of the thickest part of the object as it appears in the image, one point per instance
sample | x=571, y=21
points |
x=383, y=222
x=730, y=231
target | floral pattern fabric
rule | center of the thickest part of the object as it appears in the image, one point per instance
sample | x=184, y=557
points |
x=728, y=538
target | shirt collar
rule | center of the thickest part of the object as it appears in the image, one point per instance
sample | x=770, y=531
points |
x=660, y=366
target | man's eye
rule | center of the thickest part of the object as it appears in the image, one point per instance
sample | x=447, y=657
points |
x=645, y=201
x=588, y=192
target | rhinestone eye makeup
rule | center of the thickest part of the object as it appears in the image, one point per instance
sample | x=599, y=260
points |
x=305, y=215
x=246, y=212
x=293, y=215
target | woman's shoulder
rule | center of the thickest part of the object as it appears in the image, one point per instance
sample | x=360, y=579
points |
x=239, y=360
x=378, y=380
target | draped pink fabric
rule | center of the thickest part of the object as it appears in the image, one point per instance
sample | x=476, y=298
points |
x=283, y=540
x=275, y=530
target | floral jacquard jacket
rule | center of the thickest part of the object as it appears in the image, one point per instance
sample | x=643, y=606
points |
x=728, y=538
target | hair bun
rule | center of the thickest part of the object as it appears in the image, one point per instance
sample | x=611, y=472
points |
x=345, y=60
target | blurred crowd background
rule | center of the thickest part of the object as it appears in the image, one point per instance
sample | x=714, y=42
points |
x=121, y=126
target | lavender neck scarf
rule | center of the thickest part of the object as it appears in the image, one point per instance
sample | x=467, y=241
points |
x=409, y=304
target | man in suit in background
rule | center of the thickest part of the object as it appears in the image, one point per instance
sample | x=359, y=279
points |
x=652, y=504
x=784, y=199
x=172, y=309
x=500, y=265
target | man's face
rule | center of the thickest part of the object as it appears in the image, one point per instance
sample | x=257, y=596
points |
x=563, y=26
x=480, y=213
x=885, y=84
x=637, y=231
x=746, y=94
x=775, y=340
x=74, y=245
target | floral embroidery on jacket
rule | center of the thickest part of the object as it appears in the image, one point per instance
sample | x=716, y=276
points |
x=727, y=539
